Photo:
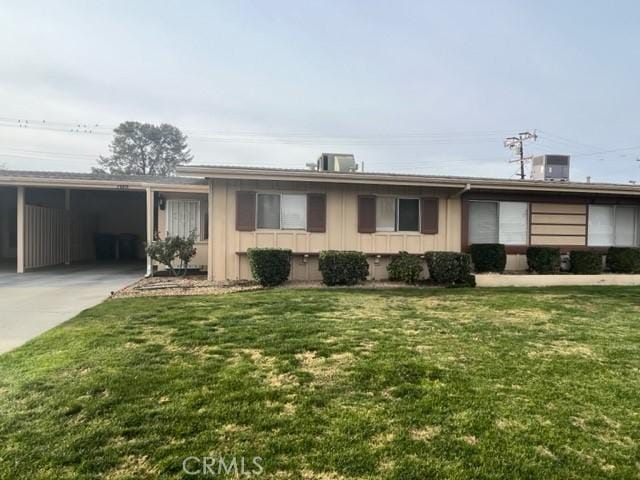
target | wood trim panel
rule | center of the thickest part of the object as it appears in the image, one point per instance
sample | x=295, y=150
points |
x=545, y=218
x=552, y=229
x=558, y=209
x=558, y=240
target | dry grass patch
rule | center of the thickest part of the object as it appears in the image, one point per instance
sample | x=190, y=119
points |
x=470, y=439
x=509, y=424
x=563, y=348
x=313, y=475
x=425, y=434
x=324, y=369
x=133, y=467
x=545, y=452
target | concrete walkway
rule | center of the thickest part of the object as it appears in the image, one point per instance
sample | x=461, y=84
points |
x=36, y=301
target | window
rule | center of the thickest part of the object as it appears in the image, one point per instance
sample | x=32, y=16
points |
x=612, y=225
x=503, y=222
x=282, y=211
x=294, y=211
x=268, y=210
x=483, y=222
x=385, y=214
x=408, y=215
x=183, y=218
x=513, y=220
x=397, y=214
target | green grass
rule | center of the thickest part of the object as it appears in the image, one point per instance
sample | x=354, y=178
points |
x=333, y=384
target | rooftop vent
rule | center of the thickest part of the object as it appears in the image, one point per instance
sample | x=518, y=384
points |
x=336, y=162
x=551, y=168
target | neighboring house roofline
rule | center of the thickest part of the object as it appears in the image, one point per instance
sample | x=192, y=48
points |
x=378, y=178
x=48, y=179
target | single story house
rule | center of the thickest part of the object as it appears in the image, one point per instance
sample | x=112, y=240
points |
x=48, y=218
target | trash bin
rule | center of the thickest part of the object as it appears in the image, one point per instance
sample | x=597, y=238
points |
x=127, y=246
x=105, y=246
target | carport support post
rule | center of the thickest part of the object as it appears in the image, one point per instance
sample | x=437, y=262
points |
x=150, y=227
x=67, y=226
x=20, y=240
x=210, y=233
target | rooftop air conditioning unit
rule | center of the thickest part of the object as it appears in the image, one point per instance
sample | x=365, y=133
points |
x=337, y=162
x=551, y=168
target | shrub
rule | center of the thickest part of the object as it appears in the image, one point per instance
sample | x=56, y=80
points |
x=543, y=259
x=343, y=268
x=449, y=268
x=405, y=268
x=585, y=262
x=623, y=259
x=167, y=250
x=488, y=257
x=269, y=266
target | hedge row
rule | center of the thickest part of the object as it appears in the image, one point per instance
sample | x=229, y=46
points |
x=271, y=267
x=492, y=258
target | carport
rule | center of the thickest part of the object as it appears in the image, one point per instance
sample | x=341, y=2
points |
x=52, y=219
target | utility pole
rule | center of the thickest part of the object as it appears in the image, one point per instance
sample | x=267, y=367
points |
x=516, y=143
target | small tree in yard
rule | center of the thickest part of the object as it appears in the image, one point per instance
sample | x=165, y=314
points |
x=167, y=250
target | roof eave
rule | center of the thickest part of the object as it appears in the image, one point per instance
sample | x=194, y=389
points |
x=230, y=173
x=18, y=181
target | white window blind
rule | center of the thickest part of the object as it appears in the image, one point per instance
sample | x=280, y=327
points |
x=385, y=214
x=483, y=222
x=183, y=218
x=601, y=225
x=268, y=210
x=513, y=220
x=625, y=226
x=293, y=211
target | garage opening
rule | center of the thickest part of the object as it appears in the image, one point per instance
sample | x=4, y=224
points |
x=72, y=227
x=108, y=226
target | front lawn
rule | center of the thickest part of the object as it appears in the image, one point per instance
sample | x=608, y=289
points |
x=333, y=384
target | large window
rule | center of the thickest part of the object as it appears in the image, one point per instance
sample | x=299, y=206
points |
x=282, y=211
x=395, y=214
x=613, y=225
x=513, y=220
x=183, y=218
x=503, y=222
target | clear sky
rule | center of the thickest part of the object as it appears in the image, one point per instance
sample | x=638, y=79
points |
x=422, y=87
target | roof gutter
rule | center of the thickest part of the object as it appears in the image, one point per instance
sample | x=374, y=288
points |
x=459, y=193
x=462, y=184
x=36, y=182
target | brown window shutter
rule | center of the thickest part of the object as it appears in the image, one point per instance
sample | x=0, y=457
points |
x=245, y=211
x=316, y=212
x=366, y=214
x=429, y=215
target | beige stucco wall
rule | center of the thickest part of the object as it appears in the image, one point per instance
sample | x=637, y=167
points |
x=229, y=245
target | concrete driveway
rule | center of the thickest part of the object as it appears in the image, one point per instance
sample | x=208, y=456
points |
x=36, y=301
